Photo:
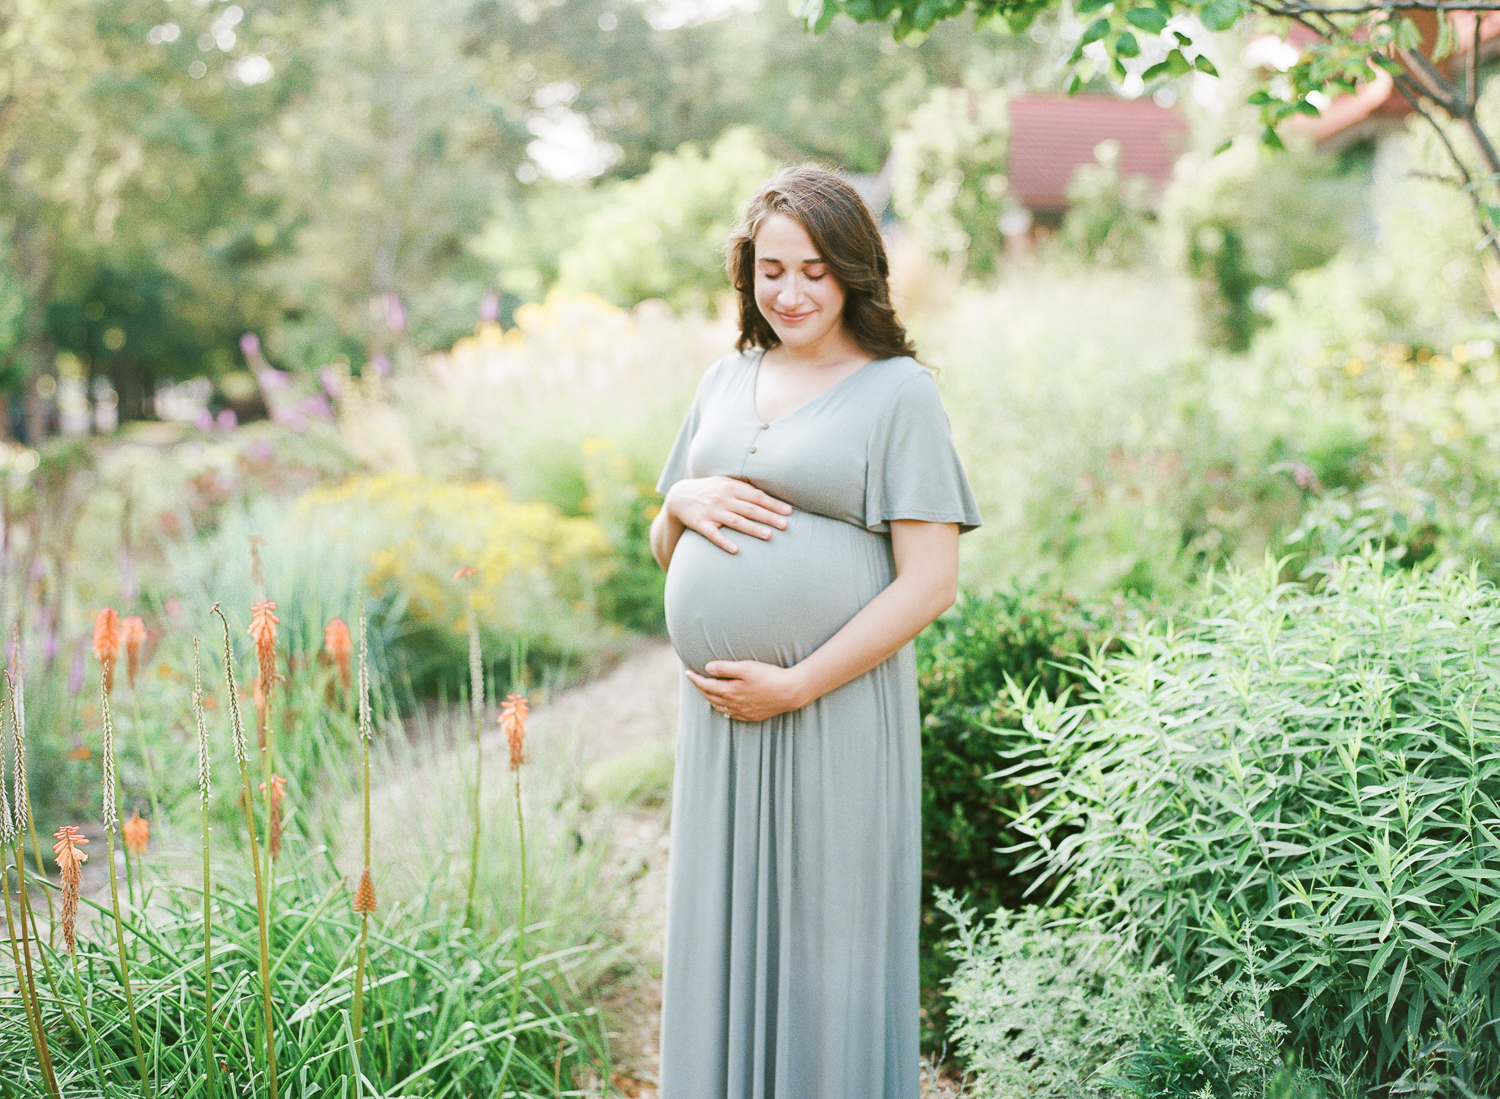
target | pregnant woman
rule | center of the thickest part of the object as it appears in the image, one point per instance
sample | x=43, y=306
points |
x=813, y=503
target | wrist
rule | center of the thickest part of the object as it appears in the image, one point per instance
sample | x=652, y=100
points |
x=801, y=687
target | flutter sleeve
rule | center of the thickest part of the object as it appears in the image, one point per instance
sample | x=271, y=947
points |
x=677, y=467
x=913, y=472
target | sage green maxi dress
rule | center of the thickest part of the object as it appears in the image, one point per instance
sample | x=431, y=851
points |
x=791, y=953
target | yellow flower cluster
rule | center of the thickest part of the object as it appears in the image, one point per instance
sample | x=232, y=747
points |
x=531, y=559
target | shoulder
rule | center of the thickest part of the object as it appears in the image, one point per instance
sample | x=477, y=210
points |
x=903, y=381
x=727, y=369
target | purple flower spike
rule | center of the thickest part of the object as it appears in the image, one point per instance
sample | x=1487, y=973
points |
x=489, y=308
x=204, y=420
x=250, y=345
x=227, y=420
x=270, y=378
x=381, y=365
x=395, y=313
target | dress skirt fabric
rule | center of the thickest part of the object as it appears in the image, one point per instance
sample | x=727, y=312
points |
x=791, y=957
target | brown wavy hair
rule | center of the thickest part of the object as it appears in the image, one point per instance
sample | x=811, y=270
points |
x=842, y=230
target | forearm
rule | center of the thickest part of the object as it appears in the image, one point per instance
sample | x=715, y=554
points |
x=665, y=532
x=874, y=635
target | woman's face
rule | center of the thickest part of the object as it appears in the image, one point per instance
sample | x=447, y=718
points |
x=794, y=290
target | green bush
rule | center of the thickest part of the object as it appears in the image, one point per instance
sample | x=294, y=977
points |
x=1314, y=772
x=965, y=661
x=1048, y=1008
x=948, y=184
x=661, y=235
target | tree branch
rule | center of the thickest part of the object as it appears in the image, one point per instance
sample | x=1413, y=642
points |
x=1413, y=96
x=1292, y=8
x=1473, y=88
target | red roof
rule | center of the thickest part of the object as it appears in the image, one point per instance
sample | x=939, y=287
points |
x=1051, y=136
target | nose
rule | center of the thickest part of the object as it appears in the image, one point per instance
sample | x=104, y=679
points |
x=791, y=290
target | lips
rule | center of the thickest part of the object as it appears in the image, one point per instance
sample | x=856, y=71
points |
x=792, y=318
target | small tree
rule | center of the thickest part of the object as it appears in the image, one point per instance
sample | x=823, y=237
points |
x=1429, y=49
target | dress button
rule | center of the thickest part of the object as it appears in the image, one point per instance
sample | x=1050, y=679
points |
x=764, y=427
x=752, y=450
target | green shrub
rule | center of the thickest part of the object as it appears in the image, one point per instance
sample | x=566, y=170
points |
x=965, y=661
x=661, y=235
x=948, y=184
x=1046, y=1007
x=1315, y=772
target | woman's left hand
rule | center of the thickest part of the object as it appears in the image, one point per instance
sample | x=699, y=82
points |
x=747, y=690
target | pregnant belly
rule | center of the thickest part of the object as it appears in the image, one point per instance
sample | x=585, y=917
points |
x=777, y=600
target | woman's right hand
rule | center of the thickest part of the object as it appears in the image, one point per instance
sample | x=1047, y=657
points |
x=709, y=504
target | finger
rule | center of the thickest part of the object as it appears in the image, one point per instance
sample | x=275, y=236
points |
x=746, y=526
x=766, y=500
x=751, y=511
x=724, y=669
x=712, y=531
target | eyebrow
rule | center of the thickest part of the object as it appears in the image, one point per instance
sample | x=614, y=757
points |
x=782, y=263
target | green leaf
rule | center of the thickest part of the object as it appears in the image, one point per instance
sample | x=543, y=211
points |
x=1097, y=30
x=1161, y=68
x=1075, y=84
x=1204, y=65
x=1177, y=64
x=1089, y=7
x=1494, y=213
x=1220, y=15
x=1302, y=106
x=1127, y=46
x=1271, y=139
x=1225, y=147
x=1148, y=19
x=1260, y=99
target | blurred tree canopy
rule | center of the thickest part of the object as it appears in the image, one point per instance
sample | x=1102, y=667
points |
x=1430, y=52
x=345, y=178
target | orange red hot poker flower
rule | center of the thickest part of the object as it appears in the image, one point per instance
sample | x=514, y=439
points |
x=513, y=713
x=339, y=646
x=137, y=833
x=273, y=824
x=263, y=622
x=70, y=862
x=132, y=634
x=107, y=643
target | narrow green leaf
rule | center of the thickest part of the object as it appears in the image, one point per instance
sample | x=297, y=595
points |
x=1271, y=139
x=1220, y=15
x=1127, y=46
x=1147, y=19
x=1096, y=30
x=1204, y=65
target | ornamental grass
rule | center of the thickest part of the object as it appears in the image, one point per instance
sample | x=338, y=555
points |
x=278, y=974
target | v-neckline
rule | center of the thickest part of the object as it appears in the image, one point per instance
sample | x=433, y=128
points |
x=755, y=381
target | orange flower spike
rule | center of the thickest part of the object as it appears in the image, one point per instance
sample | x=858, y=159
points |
x=70, y=861
x=364, y=896
x=107, y=643
x=132, y=634
x=137, y=832
x=273, y=826
x=69, y=858
x=513, y=713
x=263, y=623
x=465, y=572
x=339, y=646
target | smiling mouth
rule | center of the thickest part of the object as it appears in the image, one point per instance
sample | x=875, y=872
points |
x=793, y=318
